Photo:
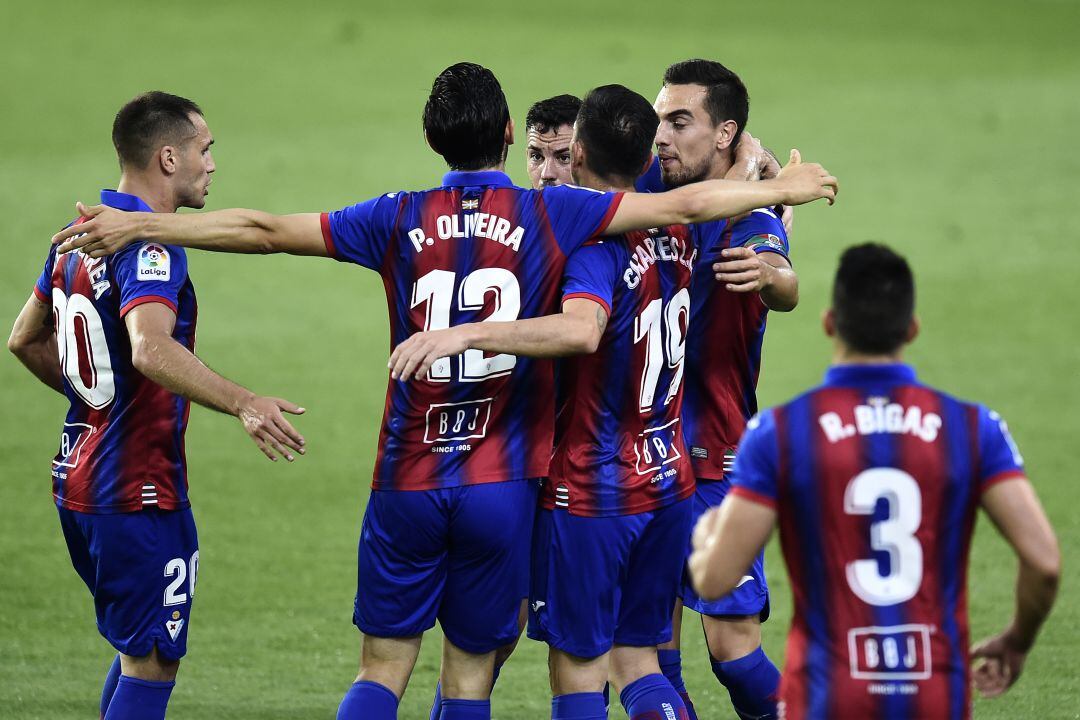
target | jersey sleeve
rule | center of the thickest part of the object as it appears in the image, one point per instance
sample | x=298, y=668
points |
x=591, y=273
x=999, y=456
x=652, y=181
x=150, y=272
x=577, y=214
x=360, y=233
x=754, y=475
x=43, y=286
x=762, y=231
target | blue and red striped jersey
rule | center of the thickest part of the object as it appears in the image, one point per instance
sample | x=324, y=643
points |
x=478, y=248
x=619, y=436
x=122, y=446
x=723, y=352
x=876, y=479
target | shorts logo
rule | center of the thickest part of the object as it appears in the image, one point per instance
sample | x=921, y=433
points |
x=174, y=625
x=537, y=604
x=154, y=263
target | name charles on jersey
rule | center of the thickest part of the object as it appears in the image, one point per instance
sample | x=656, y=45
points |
x=655, y=248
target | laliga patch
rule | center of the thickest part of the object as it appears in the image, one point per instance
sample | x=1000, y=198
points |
x=153, y=263
x=174, y=625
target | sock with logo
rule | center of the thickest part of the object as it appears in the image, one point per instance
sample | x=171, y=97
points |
x=579, y=706
x=368, y=701
x=652, y=698
x=457, y=709
x=137, y=699
x=671, y=666
x=752, y=682
x=111, y=679
x=436, y=706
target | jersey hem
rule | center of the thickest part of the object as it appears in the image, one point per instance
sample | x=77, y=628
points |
x=548, y=503
x=328, y=235
x=756, y=497
x=135, y=506
x=606, y=220
x=41, y=296
x=1002, y=477
x=446, y=484
x=143, y=299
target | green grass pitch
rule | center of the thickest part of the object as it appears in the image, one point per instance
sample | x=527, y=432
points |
x=951, y=126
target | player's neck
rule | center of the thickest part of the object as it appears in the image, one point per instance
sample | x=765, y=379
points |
x=595, y=182
x=846, y=356
x=720, y=167
x=153, y=194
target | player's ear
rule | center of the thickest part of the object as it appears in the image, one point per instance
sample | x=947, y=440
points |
x=508, y=135
x=913, y=330
x=828, y=322
x=167, y=159
x=725, y=134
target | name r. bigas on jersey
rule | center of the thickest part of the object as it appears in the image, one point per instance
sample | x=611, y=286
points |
x=480, y=224
x=881, y=416
x=651, y=249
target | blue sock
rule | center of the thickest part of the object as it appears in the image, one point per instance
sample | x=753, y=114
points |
x=368, y=701
x=652, y=698
x=457, y=709
x=671, y=666
x=579, y=706
x=109, y=688
x=436, y=706
x=137, y=699
x=752, y=682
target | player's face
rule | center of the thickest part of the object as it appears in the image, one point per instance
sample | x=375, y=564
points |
x=686, y=139
x=195, y=166
x=548, y=156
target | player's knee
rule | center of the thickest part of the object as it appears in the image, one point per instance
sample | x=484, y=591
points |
x=730, y=638
x=572, y=674
x=466, y=675
x=632, y=663
x=153, y=667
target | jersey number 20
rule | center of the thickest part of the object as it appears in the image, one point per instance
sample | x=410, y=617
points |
x=84, y=354
x=894, y=535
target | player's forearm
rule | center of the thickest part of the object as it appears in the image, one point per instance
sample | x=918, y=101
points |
x=234, y=231
x=1036, y=589
x=544, y=337
x=781, y=293
x=40, y=358
x=175, y=368
x=712, y=576
x=715, y=199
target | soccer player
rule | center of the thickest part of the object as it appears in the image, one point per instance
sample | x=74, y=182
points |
x=549, y=127
x=703, y=109
x=116, y=336
x=874, y=479
x=609, y=549
x=446, y=530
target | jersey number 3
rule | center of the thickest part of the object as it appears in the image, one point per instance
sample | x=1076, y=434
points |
x=894, y=535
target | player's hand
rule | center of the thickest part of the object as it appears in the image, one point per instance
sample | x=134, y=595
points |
x=263, y=420
x=997, y=664
x=105, y=231
x=413, y=358
x=806, y=182
x=787, y=216
x=742, y=270
x=750, y=159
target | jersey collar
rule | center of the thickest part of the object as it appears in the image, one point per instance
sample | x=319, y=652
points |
x=462, y=178
x=124, y=201
x=861, y=374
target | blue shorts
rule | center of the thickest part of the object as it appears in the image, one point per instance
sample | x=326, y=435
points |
x=141, y=569
x=751, y=596
x=459, y=556
x=599, y=581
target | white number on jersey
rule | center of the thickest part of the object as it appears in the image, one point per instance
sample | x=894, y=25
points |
x=81, y=345
x=436, y=291
x=894, y=535
x=647, y=326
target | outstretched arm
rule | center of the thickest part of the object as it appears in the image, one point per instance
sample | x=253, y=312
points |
x=575, y=331
x=33, y=341
x=797, y=183
x=157, y=355
x=237, y=231
x=1015, y=509
x=725, y=540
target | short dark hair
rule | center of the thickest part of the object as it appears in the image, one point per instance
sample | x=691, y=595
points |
x=726, y=97
x=549, y=115
x=149, y=121
x=465, y=117
x=616, y=126
x=873, y=299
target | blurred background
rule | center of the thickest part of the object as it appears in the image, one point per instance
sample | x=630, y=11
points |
x=950, y=126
